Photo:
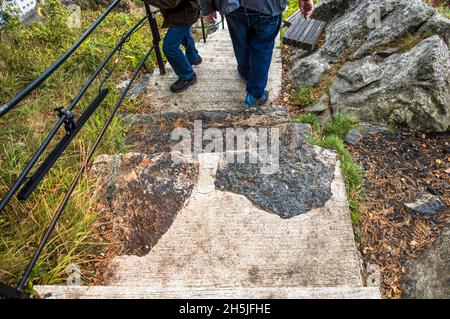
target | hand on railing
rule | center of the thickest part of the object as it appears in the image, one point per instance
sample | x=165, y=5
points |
x=211, y=18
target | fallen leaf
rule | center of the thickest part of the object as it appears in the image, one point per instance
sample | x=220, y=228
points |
x=145, y=162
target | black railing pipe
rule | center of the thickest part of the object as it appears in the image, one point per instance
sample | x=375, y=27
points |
x=156, y=38
x=18, y=183
x=64, y=202
x=30, y=88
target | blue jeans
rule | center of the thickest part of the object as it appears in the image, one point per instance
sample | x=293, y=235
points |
x=253, y=35
x=181, y=62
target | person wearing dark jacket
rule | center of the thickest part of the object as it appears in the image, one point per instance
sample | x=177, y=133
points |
x=179, y=16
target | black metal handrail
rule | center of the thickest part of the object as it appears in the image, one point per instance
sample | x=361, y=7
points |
x=72, y=127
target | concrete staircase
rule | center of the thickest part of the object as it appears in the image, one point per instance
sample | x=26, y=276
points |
x=218, y=230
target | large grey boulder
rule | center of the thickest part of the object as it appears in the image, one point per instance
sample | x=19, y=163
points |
x=328, y=10
x=428, y=276
x=351, y=33
x=410, y=88
x=357, y=31
x=308, y=71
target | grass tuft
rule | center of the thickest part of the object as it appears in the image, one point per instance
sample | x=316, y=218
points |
x=331, y=136
x=304, y=96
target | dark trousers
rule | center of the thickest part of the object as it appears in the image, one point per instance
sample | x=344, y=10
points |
x=181, y=62
x=253, y=35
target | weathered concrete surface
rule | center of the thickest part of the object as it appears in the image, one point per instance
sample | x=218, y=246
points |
x=112, y=292
x=221, y=239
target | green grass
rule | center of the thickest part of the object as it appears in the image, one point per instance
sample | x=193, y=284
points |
x=445, y=11
x=24, y=53
x=304, y=96
x=331, y=136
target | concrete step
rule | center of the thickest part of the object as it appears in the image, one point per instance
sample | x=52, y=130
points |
x=112, y=292
x=169, y=106
x=203, y=85
x=214, y=72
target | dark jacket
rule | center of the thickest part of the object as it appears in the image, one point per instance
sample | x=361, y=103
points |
x=178, y=12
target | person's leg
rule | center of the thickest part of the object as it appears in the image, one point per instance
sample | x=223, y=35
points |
x=264, y=31
x=238, y=27
x=177, y=59
x=191, y=51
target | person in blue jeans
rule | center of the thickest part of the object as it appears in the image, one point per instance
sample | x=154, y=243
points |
x=179, y=16
x=254, y=26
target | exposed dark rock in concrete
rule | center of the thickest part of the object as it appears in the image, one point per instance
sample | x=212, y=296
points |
x=303, y=181
x=427, y=205
x=152, y=134
x=428, y=277
x=145, y=193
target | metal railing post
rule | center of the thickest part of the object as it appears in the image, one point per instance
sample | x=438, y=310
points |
x=203, y=28
x=156, y=38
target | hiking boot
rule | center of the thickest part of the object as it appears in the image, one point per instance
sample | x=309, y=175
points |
x=198, y=62
x=253, y=103
x=182, y=85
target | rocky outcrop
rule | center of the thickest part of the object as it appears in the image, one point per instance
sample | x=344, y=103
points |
x=437, y=24
x=383, y=80
x=428, y=277
x=410, y=88
x=358, y=30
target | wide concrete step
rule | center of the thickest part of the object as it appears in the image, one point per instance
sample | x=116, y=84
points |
x=214, y=73
x=114, y=292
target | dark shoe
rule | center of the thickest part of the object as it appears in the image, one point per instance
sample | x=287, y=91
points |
x=182, y=85
x=198, y=62
x=251, y=101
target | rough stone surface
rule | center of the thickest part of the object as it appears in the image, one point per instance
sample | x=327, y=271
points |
x=320, y=106
x=380, y=83
x=427, y=205
x=308, y=71
x=352, y=31
x=438, y=24
x=353, y=137
x=428, y=277
x=410, y=88
x=301, y=183
x=328, y=10
x=144, y=193
x=368, y=128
